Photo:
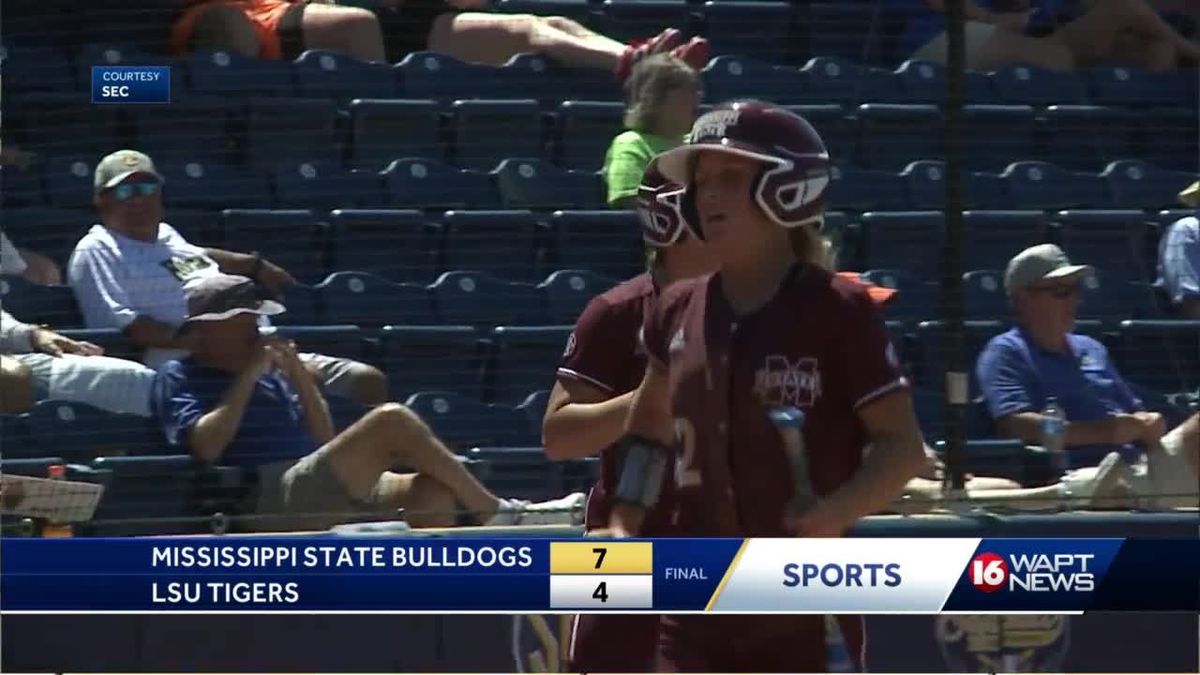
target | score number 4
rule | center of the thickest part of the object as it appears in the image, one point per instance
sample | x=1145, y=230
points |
x=601, y=592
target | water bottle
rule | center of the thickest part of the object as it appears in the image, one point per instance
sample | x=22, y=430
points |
x=837, y=656
x=1054, y=433
x=54, y=528
x=789, y=422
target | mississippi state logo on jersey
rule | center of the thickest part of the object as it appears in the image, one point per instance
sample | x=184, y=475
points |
x=784, y=382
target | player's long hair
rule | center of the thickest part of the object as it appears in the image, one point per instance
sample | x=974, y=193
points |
x=810, y=246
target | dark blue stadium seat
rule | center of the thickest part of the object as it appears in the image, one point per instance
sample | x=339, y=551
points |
x=1125, y=86
x=112, y=340
x=36, y=68
x=753, y=28
x=584, y=131
x=463, y=422
x=20, y=448
x=1161, y=355
x=487, y=131
x=837, y=132
x=916, y=300
x=1116, y=299
x=925, y=82
x=929, y=406
x=430, y=183
x=343, y=341
x=930, y=349
x=146, y=495
x=195, y=129
x=566, y=292
x=196, y=225
x=828, y=79
x=523, y=473
x=865, y=190
x=432, y=358
x=837, y=228
x=848, y=29
x=991, y=238
x=533, y=409
x=737, y=77
x=925, y=185
x=36, y=304
x=68, y=181
x=1029, y=85
x=128, y=54
x=383, y=131
x=399, y=245
x=80, y=432
x=1086, y=137
x=625, y=20
x=428, y=75
x=1138, y=185
x=22, y=187
x=51, y=232
x=327, y=74
x=1041, y=185
x=193, y=183
x=141, y=22
x=908, y=240
x=65, y=123
x=291, y=238
x=891, y=136
x=290, y=130
x=303, y=304
x=466, y=297
x=503, y=243
x=233, y=74
x=323, y=186
x=532, y=184
x=1113, y=240
x=369, y=300
x=605, y=242
x=994, y=134
x=1168, y=138
x=984, y=293
x=524, y=359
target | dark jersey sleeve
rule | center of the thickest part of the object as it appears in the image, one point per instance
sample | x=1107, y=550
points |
x=871, y=365
x=603, y=348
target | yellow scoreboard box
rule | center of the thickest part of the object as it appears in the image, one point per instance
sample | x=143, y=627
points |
x=601, y=575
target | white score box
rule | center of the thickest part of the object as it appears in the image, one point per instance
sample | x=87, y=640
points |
x=600, y=591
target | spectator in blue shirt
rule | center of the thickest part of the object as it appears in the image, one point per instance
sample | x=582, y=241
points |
x=1041, y=358
x=244, y=400
x=1179, y=259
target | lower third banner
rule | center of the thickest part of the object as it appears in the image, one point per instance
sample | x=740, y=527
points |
x=811, y=576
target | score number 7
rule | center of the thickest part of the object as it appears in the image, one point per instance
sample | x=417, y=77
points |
x=601, y=592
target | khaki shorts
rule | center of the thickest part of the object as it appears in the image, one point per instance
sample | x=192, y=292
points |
x=1165, y=480
x=306, y=494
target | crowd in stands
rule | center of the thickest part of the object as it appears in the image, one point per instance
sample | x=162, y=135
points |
x=212, y=373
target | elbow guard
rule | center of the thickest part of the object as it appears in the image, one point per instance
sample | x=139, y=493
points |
x=643, y=466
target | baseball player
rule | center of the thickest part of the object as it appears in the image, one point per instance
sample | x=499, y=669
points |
x=590, y=401
x=774, y=335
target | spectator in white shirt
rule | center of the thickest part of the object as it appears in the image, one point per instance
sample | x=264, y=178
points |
x=131, y=273
x=37, y=364
x=1179, y=259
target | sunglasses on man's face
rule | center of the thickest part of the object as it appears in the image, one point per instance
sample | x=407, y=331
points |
x=1058, y=291
x=127, y=191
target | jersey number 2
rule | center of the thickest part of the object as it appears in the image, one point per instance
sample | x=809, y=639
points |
x=687, y=474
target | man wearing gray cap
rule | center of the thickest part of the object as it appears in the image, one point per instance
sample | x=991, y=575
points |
x=131, y=272
x=1041, y=359
x=245, y=400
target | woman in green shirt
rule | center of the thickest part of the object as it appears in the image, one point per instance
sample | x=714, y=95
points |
x=662, y=95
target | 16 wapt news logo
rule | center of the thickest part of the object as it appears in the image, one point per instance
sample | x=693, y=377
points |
x=1033, y=572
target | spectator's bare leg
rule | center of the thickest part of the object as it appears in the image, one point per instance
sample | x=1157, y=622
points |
x=391, y=434
x=39, y=269
x=426, y=502
x=225, y=28
x=16, y=386
x=1096, y=34
x=573, y=27
x=493, y=39
x=349, y=30
x=1004, y=48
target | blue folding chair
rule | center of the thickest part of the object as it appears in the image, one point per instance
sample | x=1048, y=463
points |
x=566, y=292
x=396, y=244
x=502, y=243
x=533, y=184
x=524, y=359
x=368, y=300
x=432, y=184
x=483, y=131
x=477, y=298
x=1041, y=185
x=382, y=131
x=328, y=74
x=432, y=358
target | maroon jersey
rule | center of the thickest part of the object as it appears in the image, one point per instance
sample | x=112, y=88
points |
x=604, y=351
x=819, y=345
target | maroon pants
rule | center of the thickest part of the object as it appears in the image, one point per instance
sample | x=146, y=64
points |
x=613, y=643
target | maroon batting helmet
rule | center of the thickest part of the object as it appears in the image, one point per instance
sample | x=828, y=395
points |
x=794, y=182
x=660, y=208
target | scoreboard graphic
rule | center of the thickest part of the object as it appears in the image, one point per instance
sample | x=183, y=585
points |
x=513, y=576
